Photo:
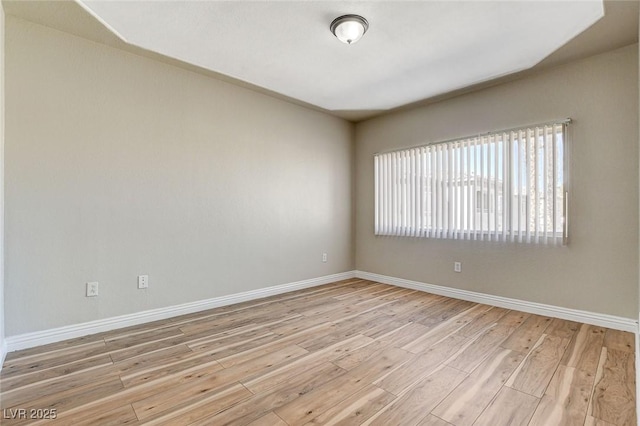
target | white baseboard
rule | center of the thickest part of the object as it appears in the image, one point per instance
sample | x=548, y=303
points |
x=38, y=338
x=602, y=320
x=29, y=340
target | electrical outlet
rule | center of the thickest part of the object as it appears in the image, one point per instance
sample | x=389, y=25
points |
x=92, y=289
x=457, y=266
x=143, y=281
x=324, y=257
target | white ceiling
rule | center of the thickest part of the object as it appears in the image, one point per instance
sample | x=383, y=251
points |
x=413, y=50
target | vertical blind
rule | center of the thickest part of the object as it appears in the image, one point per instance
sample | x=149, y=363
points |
x=501, y=186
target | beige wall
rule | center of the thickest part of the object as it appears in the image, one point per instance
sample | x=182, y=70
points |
x=598, y=271
x=118, y=165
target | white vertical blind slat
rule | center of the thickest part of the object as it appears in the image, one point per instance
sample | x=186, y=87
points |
x=395, y=214
x=505, y=182
x=488, y=168
x=422, y=188
x=454, y=194
x=415, y=194
x=482, y=182
x=508, y=186
x=521, y=185
x=403, y=194
x=527, y=180
x=410, y=195
x=499, y=211
x=494, y=184
x=468, y=192
x=379, y=194
x=477, y=204
x=555, y=186
x=535, y=185
x=376, y=220
x=445, y=192
x=460, y=196
x=450, y=201
x=438, y=203
x=440, y=200
x=434, y=224
x=545, y=187
x=387, y=195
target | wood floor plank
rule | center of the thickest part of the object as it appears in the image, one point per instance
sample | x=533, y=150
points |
x=421, y=365
x=39, y=378
x=189, y=411
x=404, y=335
x=440, y=331
x=356, y=357
x=386, y=327
x=56, y=386
x=123, y=415
x=145, y=348
x=269, y=419
x=537, y=369
x=583, y=351
x=228, y=346
x=411, y=303
x=484, y=343
x=432, y=420
x=320, y=306
x=140, y=392
x=297, y=325
x=351, y=352
x=74, y=396
x=413, y=406
x=181, y=364
x=308, y=406
x=196, y=389
x=399, y=293
x=137, y=339
x=252, y=350
x=154, y=359
x=467, y=401
x=566, y=400
x=619, y=340
x=258, y=405
x=592, y=421
x=525, y=336
x=73, y=345
x=362, y=292
x=31, y=365
x=442, y=313
x=482, y=321
x=562, y=328
x=510, y=407
x=265, y=380
x=341, y=330
x=614, y=396
x=355, y=409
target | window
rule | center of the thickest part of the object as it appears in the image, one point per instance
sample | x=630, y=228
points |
x=502, y=186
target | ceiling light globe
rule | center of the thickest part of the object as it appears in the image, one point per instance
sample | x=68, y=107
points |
x=349, y=28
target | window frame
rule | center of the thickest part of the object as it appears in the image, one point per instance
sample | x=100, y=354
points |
x=534, y=149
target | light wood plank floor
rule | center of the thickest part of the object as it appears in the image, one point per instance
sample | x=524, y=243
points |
x=352, y=352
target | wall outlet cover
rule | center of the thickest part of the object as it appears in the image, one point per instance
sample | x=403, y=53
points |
x=92, y=289
x=143, y=281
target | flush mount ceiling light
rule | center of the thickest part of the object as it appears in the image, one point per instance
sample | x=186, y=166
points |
x=349, y=28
